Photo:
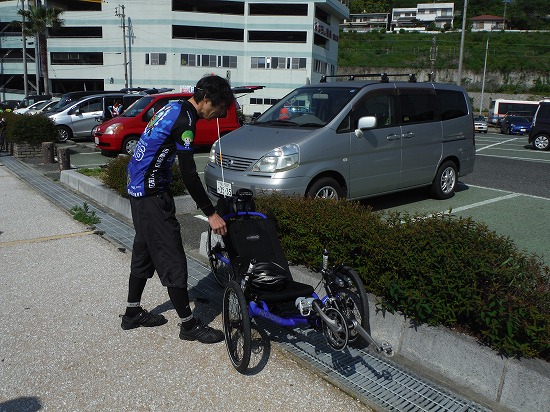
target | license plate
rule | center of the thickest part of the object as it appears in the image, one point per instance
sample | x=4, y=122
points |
x=224, y=188
x=96, y=139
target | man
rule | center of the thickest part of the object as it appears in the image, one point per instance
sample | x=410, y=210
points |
x=157, y=243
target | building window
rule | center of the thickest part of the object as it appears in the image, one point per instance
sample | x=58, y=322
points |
x=208, y=60
x=256, y=100
x=279, y=63
x=155, y=59
x=207, y=33
x=319, y=66
x=76, y=58
x=265, y=9
x=270, y=36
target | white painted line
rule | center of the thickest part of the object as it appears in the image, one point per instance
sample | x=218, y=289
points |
x=201, y=217
x=487, y=202
x=496, y=144
x=507, y=191
x=529, y=159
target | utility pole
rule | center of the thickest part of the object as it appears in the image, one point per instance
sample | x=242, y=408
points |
x=484, y=71
x=461, y=54
x=25, y=75
x=119, y=12
x=433, y=56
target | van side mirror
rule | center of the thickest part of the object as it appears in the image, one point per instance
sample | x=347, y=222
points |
x=367, y=122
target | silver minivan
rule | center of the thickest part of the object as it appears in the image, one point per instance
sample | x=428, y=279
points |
x=350, y=139
x=78, y=119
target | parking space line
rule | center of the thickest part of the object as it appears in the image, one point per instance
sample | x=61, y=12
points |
x=507, y=191
x=495, y=144
x=487, y=202
x=516, y=158
x=45, y=238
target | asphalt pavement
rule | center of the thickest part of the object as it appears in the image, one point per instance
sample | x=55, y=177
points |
x=62, y=288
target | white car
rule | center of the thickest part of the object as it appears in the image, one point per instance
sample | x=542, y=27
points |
x=480, y=124
x=35, y=106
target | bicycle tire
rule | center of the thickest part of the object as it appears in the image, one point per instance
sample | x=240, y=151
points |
x=218, y=258
x=236, y=326
x=352, y=301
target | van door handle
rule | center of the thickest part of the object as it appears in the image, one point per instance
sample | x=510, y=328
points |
x=407, y=135
x=393, y=137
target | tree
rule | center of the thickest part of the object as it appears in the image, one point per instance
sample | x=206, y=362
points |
x=39, y=20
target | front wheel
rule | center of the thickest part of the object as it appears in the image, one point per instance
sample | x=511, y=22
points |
x=218, y=257
x=443, y=186
x=236, y=326
x=129, y=145
x=540, y=142
x=327, y=188
x=65, y=133
x=352, y=301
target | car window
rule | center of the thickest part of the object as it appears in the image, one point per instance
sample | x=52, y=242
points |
x=380, y=105
x=159, y=104
x=416, y=106
x=452, y=104
x=137, y=107
x=91, y=105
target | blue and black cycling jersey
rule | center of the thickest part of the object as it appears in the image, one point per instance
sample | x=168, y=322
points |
x=170, y=132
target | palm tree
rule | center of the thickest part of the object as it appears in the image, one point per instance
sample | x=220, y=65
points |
x=39, y=20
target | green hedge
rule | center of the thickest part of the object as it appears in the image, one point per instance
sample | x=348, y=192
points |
x=116, y=178
x=436, y=270
x=33, y=130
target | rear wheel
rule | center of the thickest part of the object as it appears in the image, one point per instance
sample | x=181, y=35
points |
x=129, y=145
x=236, y=326
x=352, y=301
x=218, y=257
x=65, y=133
x=443, y=186
x=327, y=188
x=540, y=142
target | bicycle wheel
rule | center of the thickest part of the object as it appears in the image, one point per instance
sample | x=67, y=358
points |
x=352, y=301
x=236, y=326
x=218, y=257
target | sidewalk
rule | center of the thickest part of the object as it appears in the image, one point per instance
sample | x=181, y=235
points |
x=62, y=348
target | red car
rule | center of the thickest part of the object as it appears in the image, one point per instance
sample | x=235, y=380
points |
x=121, y=134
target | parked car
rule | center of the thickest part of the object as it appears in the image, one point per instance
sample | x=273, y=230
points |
x=8, y=105
x=539, y=135
x=121, y=134
x=71, y=97
x=81, y=117
x=480, y=124
x=515, y=125
x=36, y=107
x=357, y=139
x=31, y=99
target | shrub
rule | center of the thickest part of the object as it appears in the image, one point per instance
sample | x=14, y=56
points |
x=116, y=177
x=436, y=270
x=33, y=130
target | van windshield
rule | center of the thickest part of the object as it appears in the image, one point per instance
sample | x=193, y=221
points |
x=137, y=107
x=308, y=107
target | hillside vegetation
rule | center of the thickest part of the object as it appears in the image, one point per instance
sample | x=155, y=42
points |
x=507, y=52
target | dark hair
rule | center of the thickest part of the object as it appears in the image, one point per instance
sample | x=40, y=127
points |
x=216, y=88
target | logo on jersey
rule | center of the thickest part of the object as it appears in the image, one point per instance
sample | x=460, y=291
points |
x=187, y=138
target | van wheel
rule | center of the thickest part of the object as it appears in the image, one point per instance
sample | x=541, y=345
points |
x=326, y=188
x=443, y=186
x=540, y=142
x=129, y=145
x=65, y=133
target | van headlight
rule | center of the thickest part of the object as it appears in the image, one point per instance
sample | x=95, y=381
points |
x=279, y=159
x=113, y=129
x=212, y=155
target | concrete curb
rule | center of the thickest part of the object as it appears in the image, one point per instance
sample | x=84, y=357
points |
x=452, y=359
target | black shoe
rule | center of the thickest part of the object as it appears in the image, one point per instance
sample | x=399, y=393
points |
x=203, y=333
x=143, y=318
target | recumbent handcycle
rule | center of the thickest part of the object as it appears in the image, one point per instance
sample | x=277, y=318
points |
x=250, y=264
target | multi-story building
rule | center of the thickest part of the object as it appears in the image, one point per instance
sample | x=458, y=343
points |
x=423, y=14
x=172, y=43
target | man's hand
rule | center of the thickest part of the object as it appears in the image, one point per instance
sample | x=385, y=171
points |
x=217, y=224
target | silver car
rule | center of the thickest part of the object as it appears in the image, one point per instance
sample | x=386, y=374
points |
x=350, y=140
x=79, y=118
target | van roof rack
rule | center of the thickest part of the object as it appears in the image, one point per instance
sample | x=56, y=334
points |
x=384, y=77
